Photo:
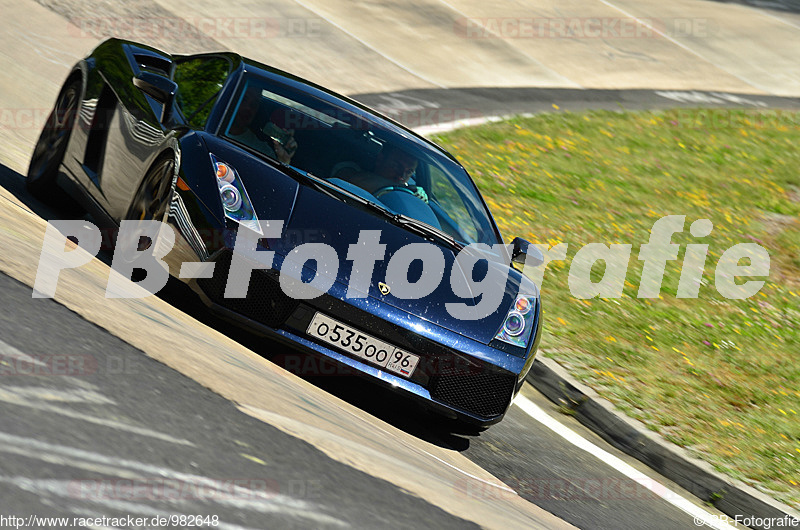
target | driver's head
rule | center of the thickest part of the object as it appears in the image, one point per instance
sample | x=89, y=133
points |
x=395, y=165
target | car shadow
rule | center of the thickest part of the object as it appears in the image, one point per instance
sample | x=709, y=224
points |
x=381, y=402
x=15, y=184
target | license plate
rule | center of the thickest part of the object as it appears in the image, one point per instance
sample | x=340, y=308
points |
x=363, y=346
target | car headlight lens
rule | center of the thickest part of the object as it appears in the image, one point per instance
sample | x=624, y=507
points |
x=519, y=322
x=235, y=203
x=231, y=200
x=514, y=324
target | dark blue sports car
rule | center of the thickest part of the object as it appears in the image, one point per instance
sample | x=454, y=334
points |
x=306, y=217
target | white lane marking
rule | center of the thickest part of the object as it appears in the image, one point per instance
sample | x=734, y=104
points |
x=7, y=350
x=445, y=126
x=537, y=413
x=569, y=81
x=29, y=393
x=13, y=360
x=65, y=489
x=684, y=47
x=696, y=96
x=12, y=398
x=214, y=490
x=365, y=43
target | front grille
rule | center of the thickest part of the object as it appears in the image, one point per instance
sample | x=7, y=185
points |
x=265, y=302
x=485, y=394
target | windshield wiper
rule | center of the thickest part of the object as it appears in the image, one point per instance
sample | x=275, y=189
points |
x=423, y=229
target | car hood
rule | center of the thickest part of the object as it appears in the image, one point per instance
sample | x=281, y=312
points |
x=319, y=218
x=312, y=216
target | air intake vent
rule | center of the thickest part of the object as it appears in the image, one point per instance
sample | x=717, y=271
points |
x=265, y=302
x=149, y=61
x=485, y=394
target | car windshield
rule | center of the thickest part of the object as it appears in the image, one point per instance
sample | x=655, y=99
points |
x=362, y=154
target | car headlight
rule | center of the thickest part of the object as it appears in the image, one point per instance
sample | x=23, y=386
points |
x=231, y=199
x=519, y=322
x=235, y=203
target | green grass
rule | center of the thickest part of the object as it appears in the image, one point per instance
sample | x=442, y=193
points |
x=720, y=377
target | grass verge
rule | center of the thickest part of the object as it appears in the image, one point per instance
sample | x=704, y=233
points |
x=718, y=376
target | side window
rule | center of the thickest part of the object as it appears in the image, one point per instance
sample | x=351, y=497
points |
x=199, y=81
x=449, y=199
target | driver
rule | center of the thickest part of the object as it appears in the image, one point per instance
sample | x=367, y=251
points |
x=244, y=130
x=394, y=169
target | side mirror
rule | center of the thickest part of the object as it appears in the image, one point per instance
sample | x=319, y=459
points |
x=159, y=88
x=523, y=253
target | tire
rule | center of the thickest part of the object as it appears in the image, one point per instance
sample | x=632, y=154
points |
x=152, y=198
x=51, y=148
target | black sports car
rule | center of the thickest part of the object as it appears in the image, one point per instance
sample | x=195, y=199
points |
x=369, y=246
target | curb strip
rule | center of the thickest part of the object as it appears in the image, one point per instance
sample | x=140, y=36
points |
x=728, y=495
